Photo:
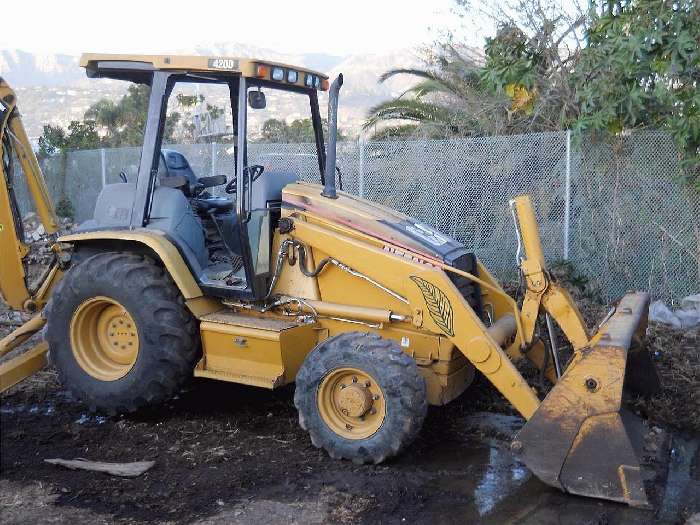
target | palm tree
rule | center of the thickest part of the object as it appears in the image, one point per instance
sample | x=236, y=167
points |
x=521, y=84
x=449, y=99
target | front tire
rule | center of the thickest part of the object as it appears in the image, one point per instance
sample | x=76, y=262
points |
x=120, y=333
x=360, y=397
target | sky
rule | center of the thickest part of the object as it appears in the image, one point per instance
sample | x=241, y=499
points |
x=293, y=26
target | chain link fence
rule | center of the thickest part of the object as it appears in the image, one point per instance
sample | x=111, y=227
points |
x=616, y=210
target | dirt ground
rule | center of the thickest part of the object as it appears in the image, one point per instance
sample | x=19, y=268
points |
x=227, y=453
x=232, y=454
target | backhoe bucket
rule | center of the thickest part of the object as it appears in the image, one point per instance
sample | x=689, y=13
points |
x=580, y=440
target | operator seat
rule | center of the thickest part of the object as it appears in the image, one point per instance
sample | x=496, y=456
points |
x=176, y=164
x=267, y=189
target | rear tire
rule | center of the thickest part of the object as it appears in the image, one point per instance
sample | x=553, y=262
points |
x=360, y=397
x=100, y=358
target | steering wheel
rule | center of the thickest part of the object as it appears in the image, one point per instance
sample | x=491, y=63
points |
x=255, y=171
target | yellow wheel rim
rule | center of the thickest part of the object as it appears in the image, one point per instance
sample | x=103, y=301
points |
x=104, y=338
x=351, y=403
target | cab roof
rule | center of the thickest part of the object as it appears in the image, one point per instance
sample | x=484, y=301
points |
x=138, y=68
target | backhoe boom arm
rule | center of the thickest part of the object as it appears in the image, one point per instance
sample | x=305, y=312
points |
x=14, y=287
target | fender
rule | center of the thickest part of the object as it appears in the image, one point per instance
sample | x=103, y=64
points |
x=156, y=242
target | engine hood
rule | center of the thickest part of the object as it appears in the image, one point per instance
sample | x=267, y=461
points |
x=396, y=229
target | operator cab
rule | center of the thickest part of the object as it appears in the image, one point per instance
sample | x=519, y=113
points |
x=223, y=223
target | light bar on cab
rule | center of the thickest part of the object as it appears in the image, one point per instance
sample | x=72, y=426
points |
x=290, y=76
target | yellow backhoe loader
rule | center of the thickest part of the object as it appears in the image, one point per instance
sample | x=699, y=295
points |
x=371, y=313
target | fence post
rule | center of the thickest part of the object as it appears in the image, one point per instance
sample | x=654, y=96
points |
x=567, y=195
x=361, y=167
x=104, y=167
x=213, y=159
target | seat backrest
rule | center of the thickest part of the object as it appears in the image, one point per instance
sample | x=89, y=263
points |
x=177, y=164
x=171, y=214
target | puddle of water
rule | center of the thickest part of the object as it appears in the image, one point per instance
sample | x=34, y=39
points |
x=48, y=410
x=86, y=418
x=486, y=484
x=500, y=478
x=45, y=410
x=498, y=423
x=679, y=476
x=14, y=409
x=481, y=475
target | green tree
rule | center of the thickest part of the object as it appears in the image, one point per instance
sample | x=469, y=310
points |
x=642, y=68
x=57, y=141
x=298, y=131
x=188, y=101
x=115, y=124
x=215, y=112
x=79, y=135
x=440, y=104
x=122, y=123
x=603, y=66
x=274, y=130
x=520, y=84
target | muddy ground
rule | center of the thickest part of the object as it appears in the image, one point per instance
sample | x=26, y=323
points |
x=227, y=453
x=233, y=454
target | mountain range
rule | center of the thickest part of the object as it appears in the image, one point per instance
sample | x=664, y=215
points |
x=53, y=89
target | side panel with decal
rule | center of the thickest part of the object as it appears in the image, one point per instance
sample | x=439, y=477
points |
x=438, y=304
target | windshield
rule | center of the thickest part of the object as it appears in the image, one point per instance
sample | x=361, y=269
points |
x=282, y=135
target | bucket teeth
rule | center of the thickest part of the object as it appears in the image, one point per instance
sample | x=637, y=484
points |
x=580, y=440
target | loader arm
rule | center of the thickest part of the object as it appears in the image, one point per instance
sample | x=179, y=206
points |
x=580, y=439
x=16, y=291
x=541, y=292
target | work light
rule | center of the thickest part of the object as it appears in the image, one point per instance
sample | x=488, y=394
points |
x=277, y=73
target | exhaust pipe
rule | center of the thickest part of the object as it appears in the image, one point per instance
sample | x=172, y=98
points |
x=329, y=175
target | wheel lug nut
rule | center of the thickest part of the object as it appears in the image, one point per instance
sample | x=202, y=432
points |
x=348, y=426
x=354, y=379
x=368, y=384
x=343, y=386
x=375, y=397
x=373, y=411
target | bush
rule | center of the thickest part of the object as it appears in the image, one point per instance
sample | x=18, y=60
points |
x=64, y=209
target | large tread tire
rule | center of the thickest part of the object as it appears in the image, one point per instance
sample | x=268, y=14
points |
x=168, y=348
x=398, y=376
